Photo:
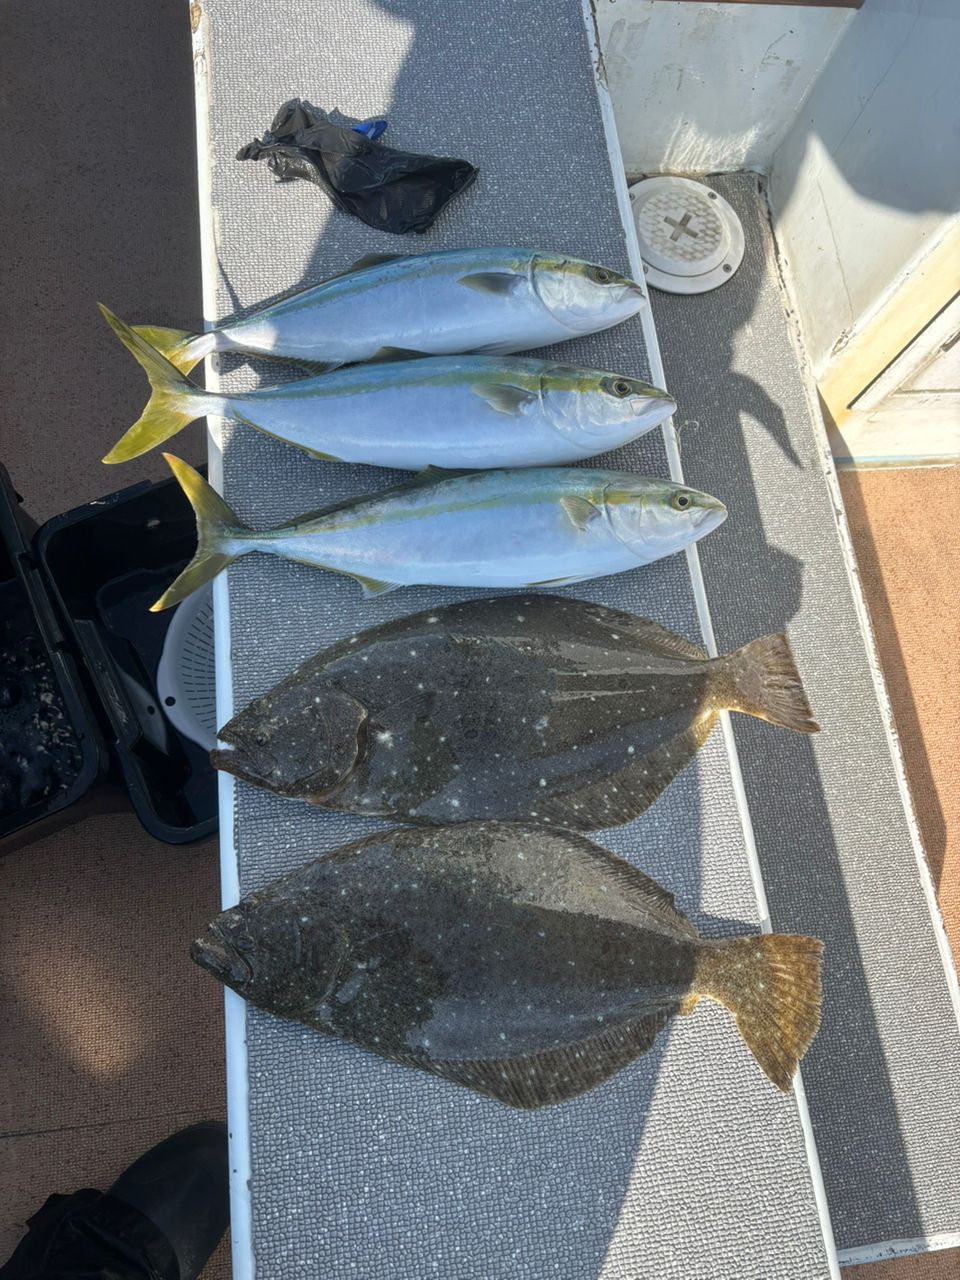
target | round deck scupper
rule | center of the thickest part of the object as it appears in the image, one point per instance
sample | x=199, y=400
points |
x=690, y=238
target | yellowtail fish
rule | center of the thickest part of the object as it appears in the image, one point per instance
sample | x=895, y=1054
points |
x=523, y=962
x=441, y=411
x=533, y=526
x=489, y=301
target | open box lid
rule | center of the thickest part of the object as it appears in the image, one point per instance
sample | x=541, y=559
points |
x=30, y=598
x=88, y=577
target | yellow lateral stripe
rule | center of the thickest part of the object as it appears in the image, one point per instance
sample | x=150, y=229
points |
x=417, y=512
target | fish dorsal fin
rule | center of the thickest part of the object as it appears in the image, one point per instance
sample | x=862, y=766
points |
x=361, y=264
x=555, y=1075
x=504, y=397
x=623, y=795
x=632, y=886
x=579, y=510
x=494, y=349
x=653, y=636
x=308, y=517
x=431, y=473
x=420, y=480
x=389, y=355
x=499, y=283
x=375, y=260
x=320, y=455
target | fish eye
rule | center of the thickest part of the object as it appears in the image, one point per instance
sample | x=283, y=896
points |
x=601, y=275
x=621, y=387
x=681, y=501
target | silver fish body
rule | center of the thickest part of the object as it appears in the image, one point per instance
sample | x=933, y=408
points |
x=485, y=529
x=491, y=301
x=523, y=527
x=460, y=412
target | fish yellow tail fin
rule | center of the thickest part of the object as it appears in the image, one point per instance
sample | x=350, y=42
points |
x=766, y=684
x=771, y=985
x=182, y=348
x=219, y=532
x=174, y=402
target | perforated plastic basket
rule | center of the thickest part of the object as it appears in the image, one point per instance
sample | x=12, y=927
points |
x=185, y=677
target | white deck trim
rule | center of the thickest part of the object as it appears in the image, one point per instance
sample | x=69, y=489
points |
x=657, y=377
x=896, y=462
x=235, y=1010
x=899, y=1248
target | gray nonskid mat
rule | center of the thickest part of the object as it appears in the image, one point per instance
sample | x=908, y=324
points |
x=838, y=860
x=688, y=1164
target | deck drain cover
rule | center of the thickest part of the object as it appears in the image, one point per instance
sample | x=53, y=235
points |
x=690, y=238
x=185, y=679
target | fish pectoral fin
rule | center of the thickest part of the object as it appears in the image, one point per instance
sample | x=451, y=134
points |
x=374, y=586
x=504, y=397
x=499, y=283
x=556, y=1075
x=579, y=511
x=387, y=355
x=319, y=367
x=623, y=795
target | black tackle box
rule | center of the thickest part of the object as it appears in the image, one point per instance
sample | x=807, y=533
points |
x=81, y=726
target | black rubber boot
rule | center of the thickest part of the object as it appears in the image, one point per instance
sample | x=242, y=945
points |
x=182, y=1186
x=161, y=1219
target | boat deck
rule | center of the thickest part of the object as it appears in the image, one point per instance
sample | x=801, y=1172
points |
x=112, y=1039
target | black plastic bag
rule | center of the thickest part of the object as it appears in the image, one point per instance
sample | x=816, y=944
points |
x=390, y=190
x=91, y=1235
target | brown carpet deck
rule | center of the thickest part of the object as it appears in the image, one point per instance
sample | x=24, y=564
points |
x=109, y=1038
x=903, y=525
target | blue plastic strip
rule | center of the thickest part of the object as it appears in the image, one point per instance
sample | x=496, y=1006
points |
x=371, y=129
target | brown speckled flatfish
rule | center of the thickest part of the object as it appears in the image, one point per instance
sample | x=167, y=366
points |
x=539, y=708
x=525, y=963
